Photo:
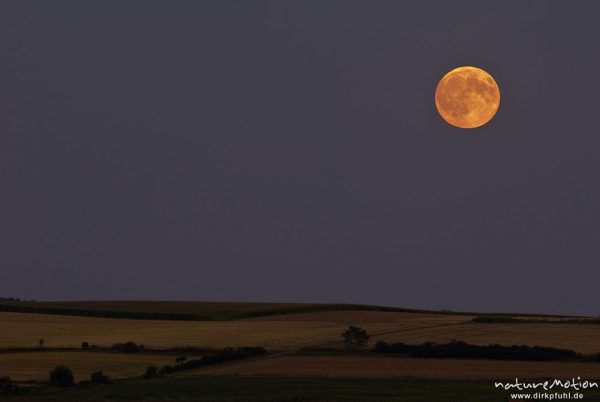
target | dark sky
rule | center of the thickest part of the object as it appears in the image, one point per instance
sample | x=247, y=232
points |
x=291, y=151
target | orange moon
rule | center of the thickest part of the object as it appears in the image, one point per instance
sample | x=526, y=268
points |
x=467, y=97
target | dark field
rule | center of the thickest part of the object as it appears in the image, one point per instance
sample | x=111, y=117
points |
x=205, y=311
x=181, y=311
x=281, y=389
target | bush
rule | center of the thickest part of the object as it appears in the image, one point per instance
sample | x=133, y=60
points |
x=220, y=356
x=85, y=345
x=151, y=372
x=62, y=376
x=458, y=349
x=7, y=385
x=99, y=378
x=168, y=369
x=129, y=347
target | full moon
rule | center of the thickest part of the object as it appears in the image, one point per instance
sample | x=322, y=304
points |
x=467, y=97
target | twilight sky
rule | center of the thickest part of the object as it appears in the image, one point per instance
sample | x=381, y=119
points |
x=291, y=151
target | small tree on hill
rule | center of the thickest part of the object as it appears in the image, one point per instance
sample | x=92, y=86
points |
x=41, y=344
x=355, y=338
x=62, y=376
x=85, y=345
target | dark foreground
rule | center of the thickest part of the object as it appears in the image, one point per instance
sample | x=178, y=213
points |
x=277, y=389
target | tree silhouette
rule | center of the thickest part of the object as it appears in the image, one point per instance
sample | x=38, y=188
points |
x=355, y=337
x=62, y=376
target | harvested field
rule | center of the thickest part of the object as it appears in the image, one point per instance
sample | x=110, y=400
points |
x=36, y=366
x=24, y=330
x=289, y=332
x=395, y=367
